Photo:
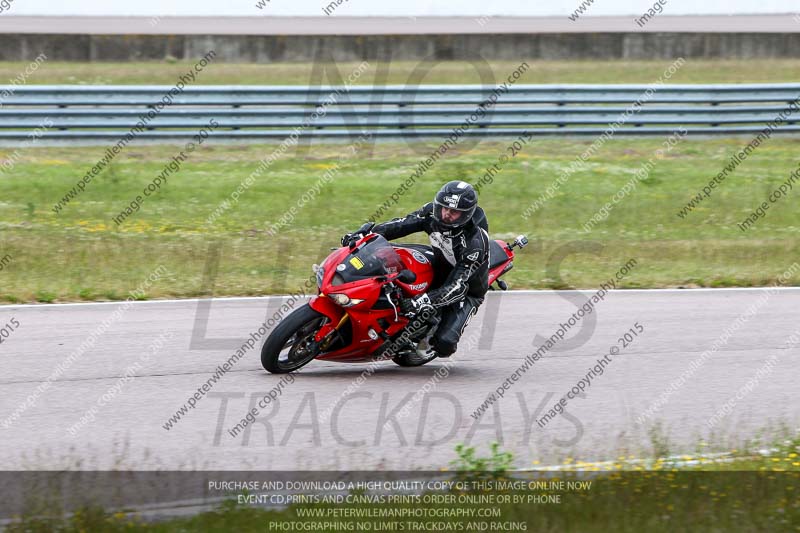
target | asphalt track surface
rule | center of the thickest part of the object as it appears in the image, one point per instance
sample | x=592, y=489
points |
x=295, y=433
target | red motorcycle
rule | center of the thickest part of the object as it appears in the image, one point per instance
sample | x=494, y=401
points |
x=355, y=317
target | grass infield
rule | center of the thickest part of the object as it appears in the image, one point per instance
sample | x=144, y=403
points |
x=81, y=254
x=405, y=72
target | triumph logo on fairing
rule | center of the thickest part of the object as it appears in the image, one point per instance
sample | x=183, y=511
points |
x=418, y=286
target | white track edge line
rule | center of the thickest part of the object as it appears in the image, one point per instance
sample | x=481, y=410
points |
x=521, y=291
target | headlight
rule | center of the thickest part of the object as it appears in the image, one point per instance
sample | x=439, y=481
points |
x=344, y=300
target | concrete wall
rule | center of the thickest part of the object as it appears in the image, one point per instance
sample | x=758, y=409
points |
x=262, y=48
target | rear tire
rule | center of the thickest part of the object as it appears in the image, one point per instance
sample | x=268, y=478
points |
x=291, y=340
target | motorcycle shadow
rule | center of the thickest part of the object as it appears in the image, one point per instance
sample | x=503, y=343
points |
x=384, y=370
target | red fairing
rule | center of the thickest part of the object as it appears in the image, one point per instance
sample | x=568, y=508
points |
x=353, y=293
x=361, y=317
x=503, y=267
x=330, y=310
x=421, y=264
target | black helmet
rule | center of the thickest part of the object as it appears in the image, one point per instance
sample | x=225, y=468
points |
x=459, y=199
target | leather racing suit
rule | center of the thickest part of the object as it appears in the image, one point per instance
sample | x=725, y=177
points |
x=461, y=266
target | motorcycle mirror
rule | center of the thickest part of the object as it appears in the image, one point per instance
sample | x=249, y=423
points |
x=521, y=241
x=406, y=276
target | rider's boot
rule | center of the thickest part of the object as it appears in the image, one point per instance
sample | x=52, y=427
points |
x=425, y=350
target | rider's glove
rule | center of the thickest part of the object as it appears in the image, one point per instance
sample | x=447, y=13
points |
x=351, y=238
x=415, y=306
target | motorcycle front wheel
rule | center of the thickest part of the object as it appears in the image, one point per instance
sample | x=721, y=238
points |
x=290, y=346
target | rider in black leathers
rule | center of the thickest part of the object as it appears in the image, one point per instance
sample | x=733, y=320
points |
x=458, y=233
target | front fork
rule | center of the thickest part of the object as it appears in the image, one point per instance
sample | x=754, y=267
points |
x=337, y=317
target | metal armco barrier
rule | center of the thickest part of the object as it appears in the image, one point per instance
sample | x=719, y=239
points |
x=251, y=112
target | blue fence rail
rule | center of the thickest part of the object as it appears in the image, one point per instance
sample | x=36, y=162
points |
x=93, y=112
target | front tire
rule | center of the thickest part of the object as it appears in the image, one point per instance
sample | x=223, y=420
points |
x=290, y=346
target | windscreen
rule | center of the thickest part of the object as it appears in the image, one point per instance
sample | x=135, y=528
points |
x=376, y=258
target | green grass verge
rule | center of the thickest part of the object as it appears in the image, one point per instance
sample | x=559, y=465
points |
x=80, y=254
x=403, y=72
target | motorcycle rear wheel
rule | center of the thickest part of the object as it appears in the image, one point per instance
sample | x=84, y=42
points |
x=290, y=345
